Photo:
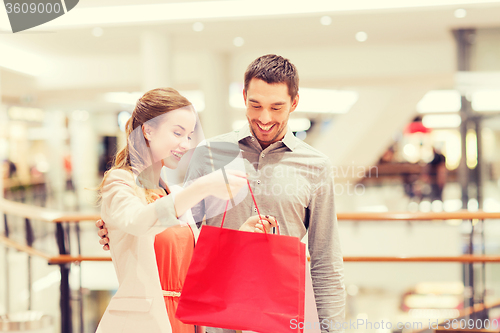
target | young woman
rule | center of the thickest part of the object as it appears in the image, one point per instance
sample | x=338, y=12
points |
x=150, y=226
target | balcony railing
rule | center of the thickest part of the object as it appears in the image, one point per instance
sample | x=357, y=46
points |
x=64, y=220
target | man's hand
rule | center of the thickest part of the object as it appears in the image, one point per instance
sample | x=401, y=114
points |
x=254, y=224
x=103, y=233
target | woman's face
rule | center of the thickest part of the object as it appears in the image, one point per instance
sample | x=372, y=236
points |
x=170, y=140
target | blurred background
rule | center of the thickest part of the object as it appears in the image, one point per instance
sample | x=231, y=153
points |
x=403, y=96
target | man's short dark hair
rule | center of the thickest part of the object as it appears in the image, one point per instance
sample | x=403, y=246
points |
x=273, y=68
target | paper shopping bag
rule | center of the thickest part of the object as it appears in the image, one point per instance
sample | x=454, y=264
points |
x=245, y=281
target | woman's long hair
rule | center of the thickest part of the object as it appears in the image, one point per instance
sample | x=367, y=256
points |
x=136, y=155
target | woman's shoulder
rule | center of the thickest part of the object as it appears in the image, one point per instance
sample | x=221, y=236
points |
x=119, y=175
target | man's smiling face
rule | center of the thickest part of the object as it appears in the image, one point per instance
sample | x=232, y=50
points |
x=268, y=109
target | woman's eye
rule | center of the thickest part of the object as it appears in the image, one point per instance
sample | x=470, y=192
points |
x=189, y=138
x=177, y=134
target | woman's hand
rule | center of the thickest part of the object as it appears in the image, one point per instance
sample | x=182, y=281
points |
x=216, y=184
x=103, y=233
x=253, y=224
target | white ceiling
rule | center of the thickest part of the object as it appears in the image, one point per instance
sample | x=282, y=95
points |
x=382, y=26
x=419, y=33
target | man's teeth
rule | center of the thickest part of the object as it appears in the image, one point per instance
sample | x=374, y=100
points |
x=266, y=128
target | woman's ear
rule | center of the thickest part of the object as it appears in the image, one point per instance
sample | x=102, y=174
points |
x=147, y=131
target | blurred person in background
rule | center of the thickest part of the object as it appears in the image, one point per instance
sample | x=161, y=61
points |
x=9, y=169
x=437, y=174
x=151, y=229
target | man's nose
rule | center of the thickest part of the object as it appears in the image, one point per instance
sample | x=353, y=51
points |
x=265, y=116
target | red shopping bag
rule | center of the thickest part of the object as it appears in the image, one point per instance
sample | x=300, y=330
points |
x=245, y=281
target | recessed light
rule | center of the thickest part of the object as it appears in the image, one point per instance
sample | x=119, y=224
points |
x=97, y=32
x=198, y=26
x=460, y=13
x=326, y=20
x=238, y=41
x=361, y=36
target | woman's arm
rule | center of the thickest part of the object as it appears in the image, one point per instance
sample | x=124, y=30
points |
x=122, y=208
x=212, y=184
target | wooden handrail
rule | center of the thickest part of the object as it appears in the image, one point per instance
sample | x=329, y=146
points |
x=51, y=215
x=44, y=214
x=66, y=259
x=467, y=312
x=417, y=216
x=63, y=259
x=463, y=258
x=60, y=259
x=23, y=248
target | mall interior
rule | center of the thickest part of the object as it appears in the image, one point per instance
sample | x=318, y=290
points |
x=402, y=96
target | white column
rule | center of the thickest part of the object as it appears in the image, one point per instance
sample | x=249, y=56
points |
x=156, y=60
x=55, y=125
x=216, y=118
x=84, y=153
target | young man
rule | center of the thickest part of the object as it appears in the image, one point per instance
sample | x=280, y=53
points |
x=291, y=181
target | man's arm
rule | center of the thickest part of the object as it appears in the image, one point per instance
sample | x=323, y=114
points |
x=327, y=268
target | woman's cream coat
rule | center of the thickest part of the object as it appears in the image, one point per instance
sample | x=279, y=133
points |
x=132, y=224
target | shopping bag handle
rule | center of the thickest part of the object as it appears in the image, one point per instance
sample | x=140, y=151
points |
x=257, y=207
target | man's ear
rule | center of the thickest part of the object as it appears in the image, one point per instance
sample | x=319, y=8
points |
x=245, y=96
x=295, y=102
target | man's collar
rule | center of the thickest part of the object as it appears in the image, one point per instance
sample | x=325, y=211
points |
x=288, y=140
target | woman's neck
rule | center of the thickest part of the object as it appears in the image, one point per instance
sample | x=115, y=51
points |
x=150, y=177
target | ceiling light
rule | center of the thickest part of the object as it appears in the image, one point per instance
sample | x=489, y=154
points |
x=326, y=20
x=436, y=101
x=198, y=26
x=311, y=99
x=326, y=100
x=361, y=36
x=299, y=124
x=460, y=13
x=486, y=100
x=442, y=121
x=238, y=41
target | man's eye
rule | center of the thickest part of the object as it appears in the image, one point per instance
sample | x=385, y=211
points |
x=256, y=106
x=276, y=109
